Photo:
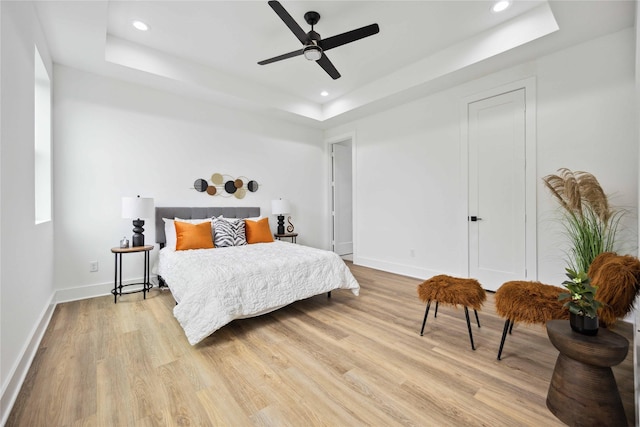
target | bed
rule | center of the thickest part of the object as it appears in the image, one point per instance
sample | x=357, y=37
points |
x=212, y=287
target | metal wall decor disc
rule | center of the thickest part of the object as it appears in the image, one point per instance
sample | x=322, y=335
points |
x=217, y=179
x=200, y=185
x=230, y=187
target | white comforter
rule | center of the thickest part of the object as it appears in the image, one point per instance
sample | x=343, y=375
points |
x=215, y=286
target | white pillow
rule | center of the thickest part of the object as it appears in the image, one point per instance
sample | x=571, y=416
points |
x=170, y=230
x=169, y=234
x=193, y=221
x=254, y=218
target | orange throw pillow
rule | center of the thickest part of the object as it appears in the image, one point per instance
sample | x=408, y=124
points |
x=193, y=236
x=258, y=231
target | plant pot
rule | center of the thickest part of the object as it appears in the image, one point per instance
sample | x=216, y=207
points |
x=583, y=324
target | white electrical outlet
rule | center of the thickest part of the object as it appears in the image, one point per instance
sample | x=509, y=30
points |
x=93, y=266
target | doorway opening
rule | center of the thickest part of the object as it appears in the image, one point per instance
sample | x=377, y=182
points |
x=342, y=197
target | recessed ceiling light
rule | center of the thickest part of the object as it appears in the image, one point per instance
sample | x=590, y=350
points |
x=139, y=25
x=501, y=5
x=324, y=93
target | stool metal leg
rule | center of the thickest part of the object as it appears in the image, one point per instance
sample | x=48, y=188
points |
x=426, y=313
x=466, y=314
x=477, y=319
x=507, y=323
x=511, y=327
x=437, y=304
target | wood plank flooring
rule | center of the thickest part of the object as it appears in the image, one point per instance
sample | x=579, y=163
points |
x=344, y=361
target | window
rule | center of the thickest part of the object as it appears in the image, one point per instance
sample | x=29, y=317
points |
x=42, y=140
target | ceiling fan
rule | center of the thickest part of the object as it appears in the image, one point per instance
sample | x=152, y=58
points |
x=314, y=45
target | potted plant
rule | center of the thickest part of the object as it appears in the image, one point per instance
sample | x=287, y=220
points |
x=582, y=303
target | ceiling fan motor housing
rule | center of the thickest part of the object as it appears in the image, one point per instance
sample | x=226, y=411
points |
x=312, y=17
x=313, y=37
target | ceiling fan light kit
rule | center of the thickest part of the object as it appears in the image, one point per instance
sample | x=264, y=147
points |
x=312, y=52
x=314, y=47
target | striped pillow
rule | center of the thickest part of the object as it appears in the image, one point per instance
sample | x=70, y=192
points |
x=228, y=232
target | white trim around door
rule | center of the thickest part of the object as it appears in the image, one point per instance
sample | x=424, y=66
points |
x=351, y=138
x=529, y=86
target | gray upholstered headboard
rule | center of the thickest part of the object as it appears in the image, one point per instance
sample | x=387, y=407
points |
x=198, y=212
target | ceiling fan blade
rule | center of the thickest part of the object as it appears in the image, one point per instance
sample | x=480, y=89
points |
x=349, y=36
x=281, y=57
x=289, y=21
x=328, y=67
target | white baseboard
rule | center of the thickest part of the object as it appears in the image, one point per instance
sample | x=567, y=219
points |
x=405, y=270
x=19, y=371
x=83, y=292
x=93, y=291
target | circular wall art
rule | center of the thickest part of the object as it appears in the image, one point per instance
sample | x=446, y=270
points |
x=217, y=178
x=240, y=193
x=226, y=186
x=230, y=187
x=200, y=185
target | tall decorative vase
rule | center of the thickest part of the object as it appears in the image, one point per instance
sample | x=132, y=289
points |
x=584, y=324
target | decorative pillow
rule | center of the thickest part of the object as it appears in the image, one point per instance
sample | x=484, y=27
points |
x=193, y=236
x=258, y=231
x=169, y=233
x=194, y=221
x=170, y=229
x=228, y=232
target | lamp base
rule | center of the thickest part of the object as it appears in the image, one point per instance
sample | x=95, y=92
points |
x=280, y=224
x=138, y=237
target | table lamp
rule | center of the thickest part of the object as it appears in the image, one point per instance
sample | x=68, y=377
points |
x=280, y=207
x=137, y=208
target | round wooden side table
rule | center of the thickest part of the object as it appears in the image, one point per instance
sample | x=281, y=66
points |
x=583, y=390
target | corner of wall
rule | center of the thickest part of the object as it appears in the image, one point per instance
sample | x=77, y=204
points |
x=19, y=371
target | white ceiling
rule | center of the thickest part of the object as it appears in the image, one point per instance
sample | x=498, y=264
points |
x=210, y=49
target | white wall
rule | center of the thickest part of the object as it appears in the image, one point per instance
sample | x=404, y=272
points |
x=408, y=164
x=26, y=249
x=116, y=139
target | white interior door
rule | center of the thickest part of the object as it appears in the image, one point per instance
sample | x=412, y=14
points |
x=497, y=184
x=342, y=209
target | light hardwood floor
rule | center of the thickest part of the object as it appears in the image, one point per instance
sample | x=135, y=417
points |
x=344, y=361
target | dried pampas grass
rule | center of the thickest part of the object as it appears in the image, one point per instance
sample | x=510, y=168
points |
x=577, y=191
x=590, y=222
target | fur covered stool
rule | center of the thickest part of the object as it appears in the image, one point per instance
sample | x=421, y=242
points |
x=528, y=302
x=453, y=291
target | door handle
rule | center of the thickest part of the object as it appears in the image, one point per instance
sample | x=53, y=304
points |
x=474, y=218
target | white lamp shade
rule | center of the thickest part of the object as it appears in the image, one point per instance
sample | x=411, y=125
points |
x=137, y=207
x=279, y=207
